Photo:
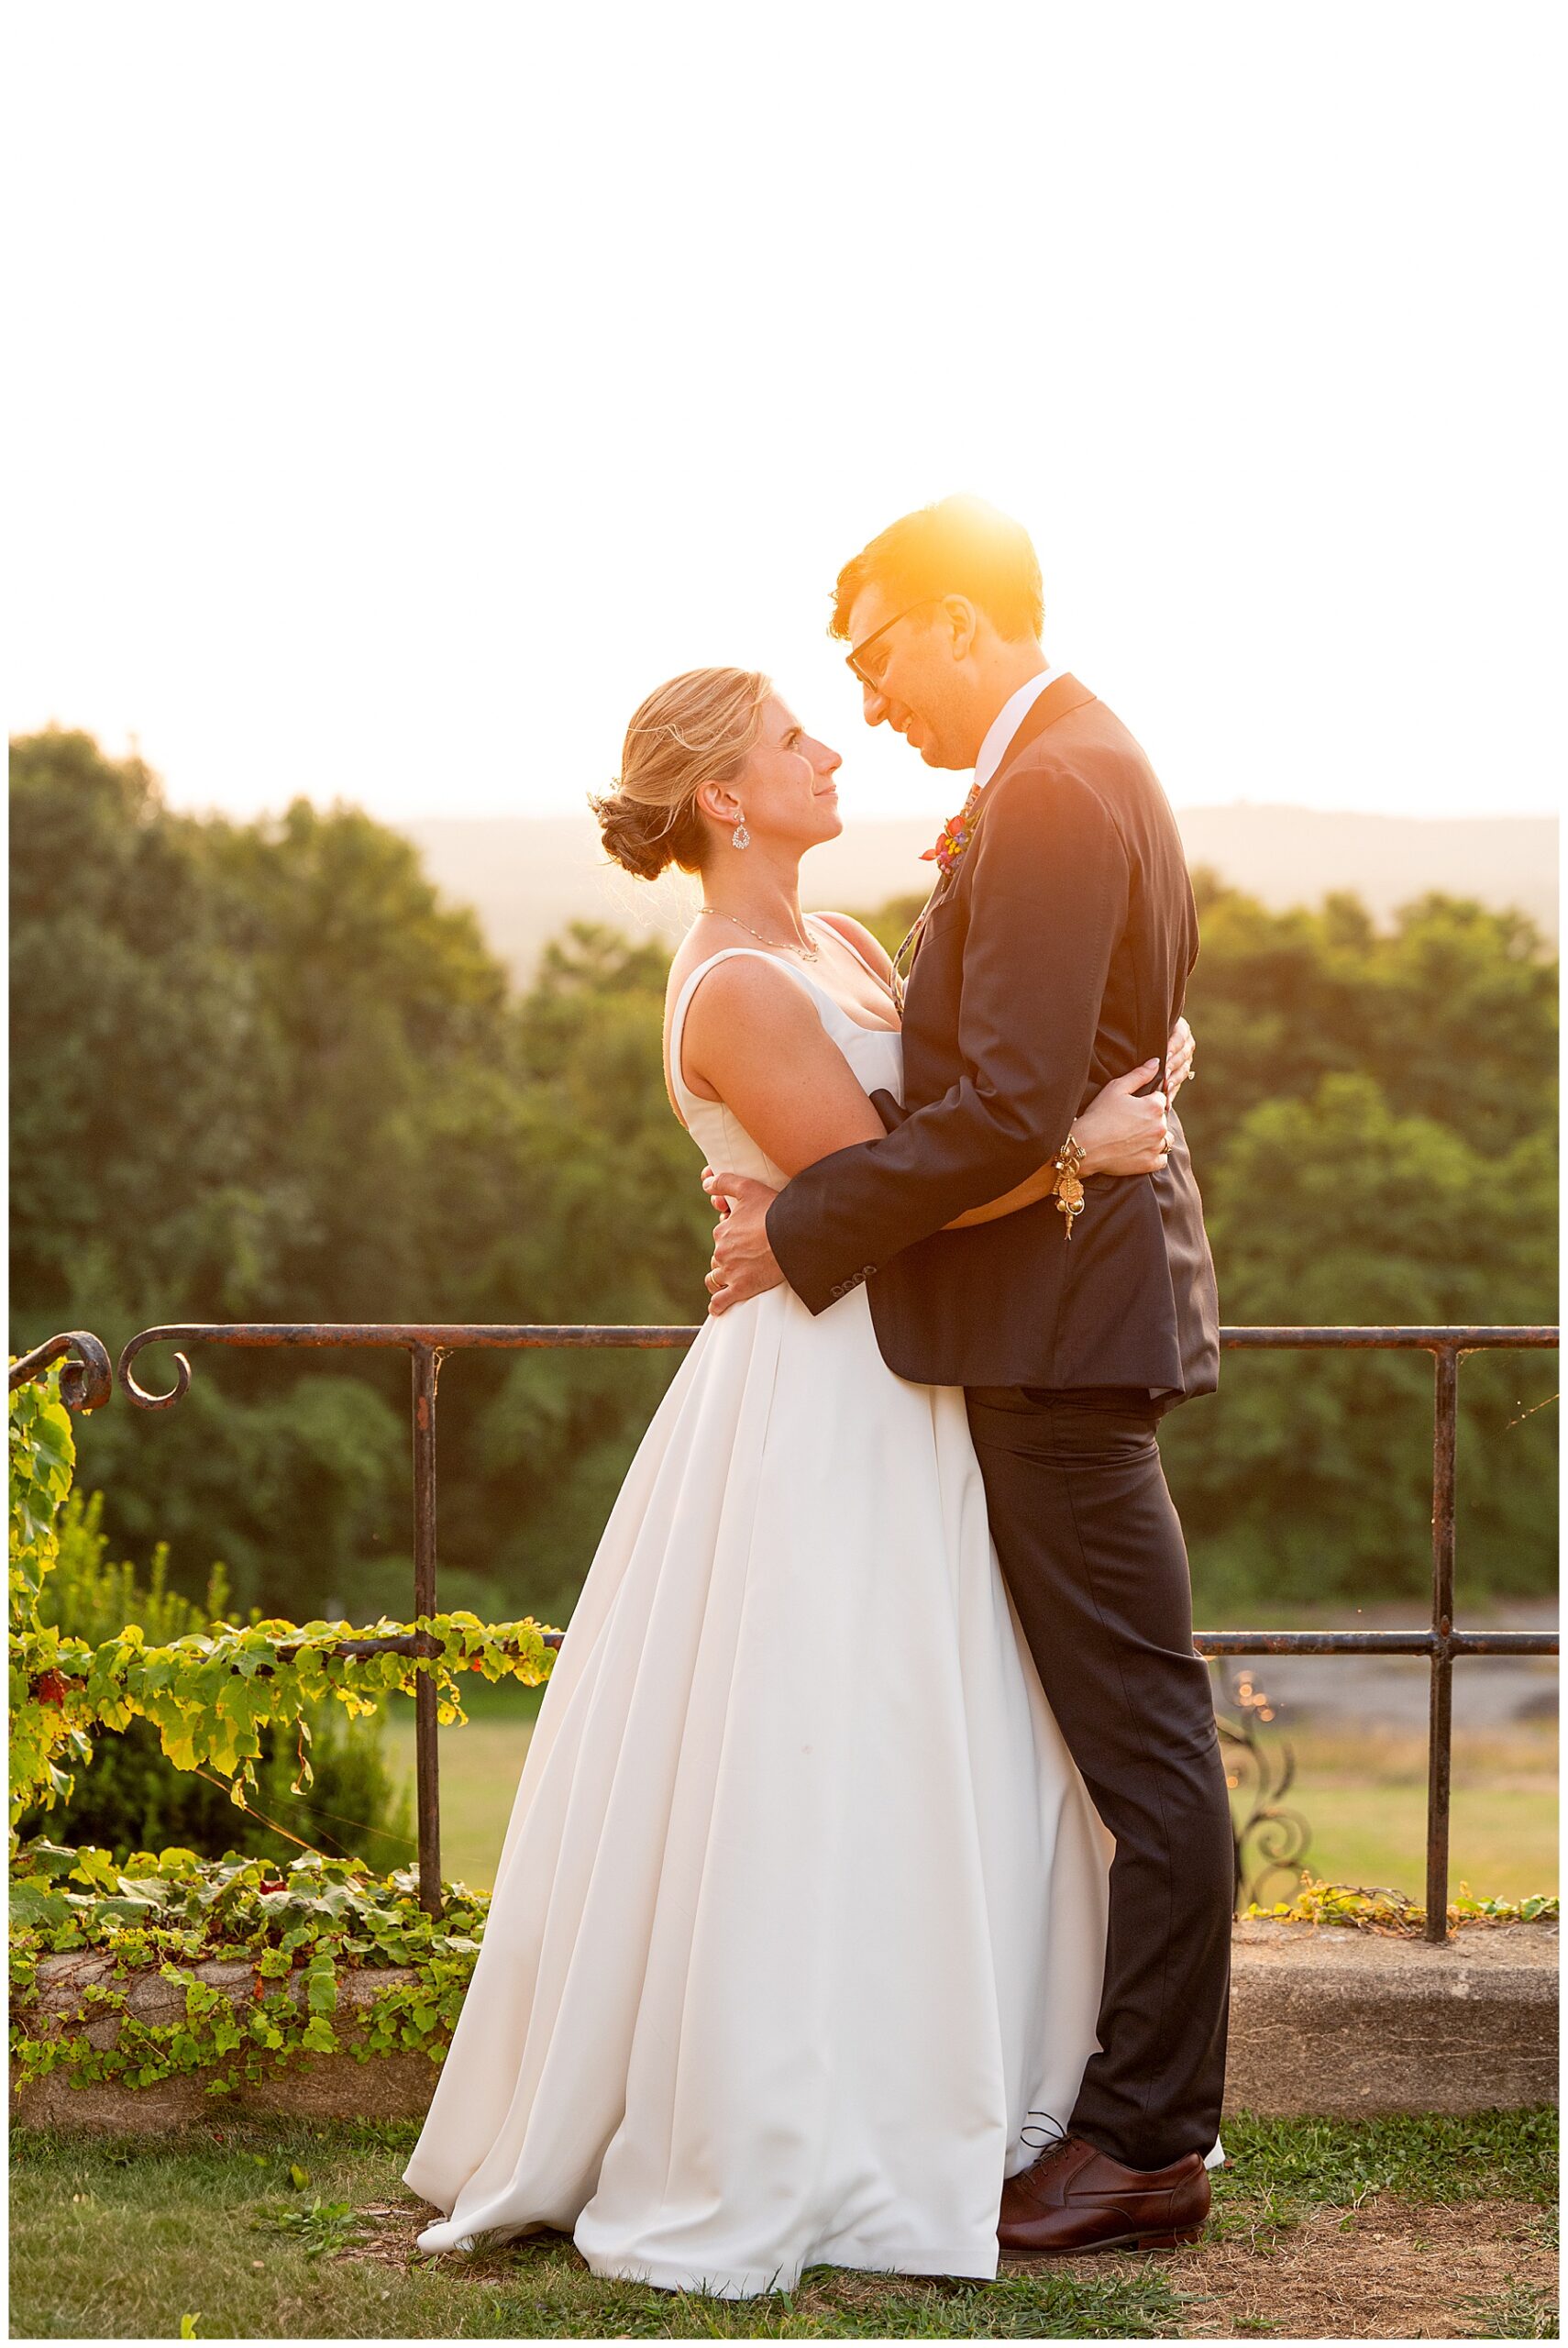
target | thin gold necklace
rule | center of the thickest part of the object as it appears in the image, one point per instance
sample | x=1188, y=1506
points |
x=808, y=952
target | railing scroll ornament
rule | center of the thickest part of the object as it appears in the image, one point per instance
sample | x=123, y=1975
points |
x=87, y=1379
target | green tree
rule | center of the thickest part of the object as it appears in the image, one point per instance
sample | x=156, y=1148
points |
x=140, y=1058
x=261, y=1071
x=1453, y=1012
x=287, y=1083
x=1310, y=1476
x=377, y=1000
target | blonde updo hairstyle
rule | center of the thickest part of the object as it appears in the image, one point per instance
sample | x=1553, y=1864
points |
x=698, y=728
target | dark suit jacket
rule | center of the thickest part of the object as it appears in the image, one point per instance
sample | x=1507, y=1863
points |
x=1054, y=958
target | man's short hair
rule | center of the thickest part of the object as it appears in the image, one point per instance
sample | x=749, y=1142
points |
x=960, y=546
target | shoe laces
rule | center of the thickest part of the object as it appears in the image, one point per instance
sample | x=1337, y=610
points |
x=1047, y=2136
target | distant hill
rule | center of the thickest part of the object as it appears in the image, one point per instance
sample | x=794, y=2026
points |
x=528, y=876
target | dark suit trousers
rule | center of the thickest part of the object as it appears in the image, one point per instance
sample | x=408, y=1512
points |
x=1092, y=1552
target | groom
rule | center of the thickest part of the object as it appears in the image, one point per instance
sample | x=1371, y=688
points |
x=1052, y=954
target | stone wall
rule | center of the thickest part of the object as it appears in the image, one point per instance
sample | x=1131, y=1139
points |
x=1322, y=2020
x=1351, y=2023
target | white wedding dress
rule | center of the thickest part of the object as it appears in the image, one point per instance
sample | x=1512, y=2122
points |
x=802, y=1910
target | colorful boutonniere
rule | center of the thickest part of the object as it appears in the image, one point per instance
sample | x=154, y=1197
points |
x=955, y=834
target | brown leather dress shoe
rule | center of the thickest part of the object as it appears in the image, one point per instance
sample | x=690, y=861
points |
x=1077, y=2198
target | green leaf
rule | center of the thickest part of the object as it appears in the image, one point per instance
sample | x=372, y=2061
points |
x=37, y=1903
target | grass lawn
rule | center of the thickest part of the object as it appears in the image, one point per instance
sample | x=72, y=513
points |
x=1365, y=1798
x=1415, y=2228
x=480, y=1763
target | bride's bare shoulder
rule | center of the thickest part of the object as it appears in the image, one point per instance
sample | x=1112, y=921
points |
x=755, y=988
x=744, y=999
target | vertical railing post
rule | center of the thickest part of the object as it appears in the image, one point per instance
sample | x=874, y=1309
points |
x=427, y=1748
x=1440, y=1729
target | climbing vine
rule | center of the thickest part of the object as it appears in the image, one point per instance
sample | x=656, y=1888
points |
x=44, y=1736
x=210, y=1694
x=300, y=1931
x=1382, y=1910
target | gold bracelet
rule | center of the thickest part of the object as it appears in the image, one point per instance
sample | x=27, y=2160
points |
x=1069, y=1186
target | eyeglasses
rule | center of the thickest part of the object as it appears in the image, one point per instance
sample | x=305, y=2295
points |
x=852, y=659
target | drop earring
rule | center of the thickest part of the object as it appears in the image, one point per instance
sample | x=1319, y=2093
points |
x=740, y=836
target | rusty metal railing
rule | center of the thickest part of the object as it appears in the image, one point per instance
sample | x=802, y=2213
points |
x=426, y=1345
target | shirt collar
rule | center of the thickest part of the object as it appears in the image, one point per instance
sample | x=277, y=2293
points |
x=1006, y=723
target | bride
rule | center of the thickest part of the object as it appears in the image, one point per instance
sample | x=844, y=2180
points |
x=800, y=1914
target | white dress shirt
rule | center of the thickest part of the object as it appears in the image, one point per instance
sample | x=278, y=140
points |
x=1006, y=723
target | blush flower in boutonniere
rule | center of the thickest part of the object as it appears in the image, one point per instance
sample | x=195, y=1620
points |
x=955, y=834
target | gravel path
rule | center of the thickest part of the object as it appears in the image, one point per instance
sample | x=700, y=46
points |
x=1489, y=1692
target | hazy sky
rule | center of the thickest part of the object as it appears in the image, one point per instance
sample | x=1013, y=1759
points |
x=403, y=391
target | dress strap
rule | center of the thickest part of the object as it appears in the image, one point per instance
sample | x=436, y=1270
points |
x=866, y=966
